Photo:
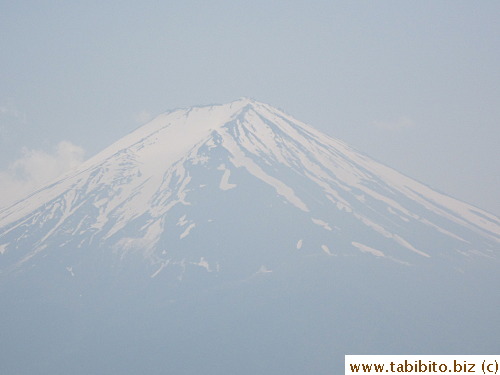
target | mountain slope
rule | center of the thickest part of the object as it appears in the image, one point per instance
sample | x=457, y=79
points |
x=216, y=175
x=234, y=239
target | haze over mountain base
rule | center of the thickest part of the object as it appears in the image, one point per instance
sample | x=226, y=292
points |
x=302, y=318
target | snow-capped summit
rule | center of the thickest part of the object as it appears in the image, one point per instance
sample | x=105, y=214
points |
x=235, y=239
x=238, y=186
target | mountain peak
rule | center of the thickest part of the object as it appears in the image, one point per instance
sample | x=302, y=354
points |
x=246, y=100
x=194, y=184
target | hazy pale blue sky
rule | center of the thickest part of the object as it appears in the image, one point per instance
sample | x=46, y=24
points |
x=414, y=84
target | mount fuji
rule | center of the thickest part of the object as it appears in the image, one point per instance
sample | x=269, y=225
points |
x=246, y=219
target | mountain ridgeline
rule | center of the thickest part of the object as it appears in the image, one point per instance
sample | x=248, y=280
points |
x=236, y=239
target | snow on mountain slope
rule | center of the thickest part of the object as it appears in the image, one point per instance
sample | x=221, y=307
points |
x=195, y=184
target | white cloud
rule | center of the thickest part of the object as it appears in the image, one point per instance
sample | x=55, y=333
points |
x=143, y=117
x=396, y=124
x=35, y=169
